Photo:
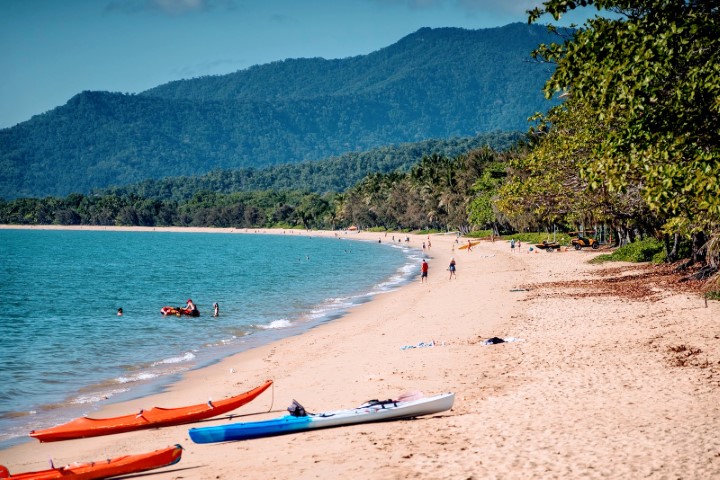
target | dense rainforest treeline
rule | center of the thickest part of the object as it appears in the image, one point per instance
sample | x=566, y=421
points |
x=434, y=83
x=335, y=174
x=433, y=194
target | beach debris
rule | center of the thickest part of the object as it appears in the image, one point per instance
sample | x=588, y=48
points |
x=431, y=343
x=683, y=356
x=496, y=340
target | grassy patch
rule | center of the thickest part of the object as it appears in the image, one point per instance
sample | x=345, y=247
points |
x=539, y=237
x=479, y=234
x=648, y=250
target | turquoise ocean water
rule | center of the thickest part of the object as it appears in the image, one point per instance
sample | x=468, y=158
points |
x=65, y=352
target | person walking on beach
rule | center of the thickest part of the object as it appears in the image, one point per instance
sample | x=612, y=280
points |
x=469, y=246
x=424, y=271
x=452, y=268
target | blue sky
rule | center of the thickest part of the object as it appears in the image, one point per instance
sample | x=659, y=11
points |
x=51, y=50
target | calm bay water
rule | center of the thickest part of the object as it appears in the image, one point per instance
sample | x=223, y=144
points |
x=65, y=352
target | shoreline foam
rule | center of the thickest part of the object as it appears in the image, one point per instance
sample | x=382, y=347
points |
x=598, y=387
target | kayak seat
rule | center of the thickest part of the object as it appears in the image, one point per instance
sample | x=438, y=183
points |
x=381, y=403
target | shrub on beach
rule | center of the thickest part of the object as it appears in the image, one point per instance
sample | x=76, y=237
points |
x=479, y=234
x=539, y=237
x=647, y=250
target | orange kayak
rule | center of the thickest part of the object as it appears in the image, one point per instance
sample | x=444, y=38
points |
x=103, y=468
x=155, y=417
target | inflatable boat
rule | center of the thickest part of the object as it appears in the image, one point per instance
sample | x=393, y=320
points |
x=179, y=311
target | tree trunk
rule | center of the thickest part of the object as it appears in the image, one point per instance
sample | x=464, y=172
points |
x=622, y=236
x=672, y=252
x=699, y=247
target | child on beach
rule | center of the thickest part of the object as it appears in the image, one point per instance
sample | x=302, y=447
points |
x=452, y=268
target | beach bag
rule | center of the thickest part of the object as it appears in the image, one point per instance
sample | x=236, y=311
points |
x=297, y=410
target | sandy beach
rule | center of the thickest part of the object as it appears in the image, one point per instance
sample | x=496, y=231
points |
x=614, y=373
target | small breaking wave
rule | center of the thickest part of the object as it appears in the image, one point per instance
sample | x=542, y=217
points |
x=187, y=357
x=136, y=378
x=283, y=323
x=85, y=399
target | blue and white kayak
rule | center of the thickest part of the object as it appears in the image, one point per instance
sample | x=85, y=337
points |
x=373, y=411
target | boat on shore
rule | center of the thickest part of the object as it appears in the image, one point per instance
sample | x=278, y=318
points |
x=114, y=467
x=299, y=420
x=153, y=418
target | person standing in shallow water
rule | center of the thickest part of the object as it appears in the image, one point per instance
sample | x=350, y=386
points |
x=424, y=271
x=191, y=308
x=216, y=310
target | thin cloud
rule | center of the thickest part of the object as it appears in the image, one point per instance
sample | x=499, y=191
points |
x=470, y=6
x=167, y=7
x=412, y=4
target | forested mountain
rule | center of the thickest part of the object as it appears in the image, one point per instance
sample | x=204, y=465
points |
x=335, y=174
x=434, y=83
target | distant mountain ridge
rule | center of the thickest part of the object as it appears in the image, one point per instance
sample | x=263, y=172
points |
x=434, y=83
x=442, y=51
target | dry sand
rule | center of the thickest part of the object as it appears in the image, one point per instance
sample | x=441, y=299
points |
x=612, y=377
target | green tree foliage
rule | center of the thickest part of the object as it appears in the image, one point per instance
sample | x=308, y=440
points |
x=548, y=182
x=482, y=211
x=652, y=77
x=204, y=209
x=434, y=193
x=435, y=83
